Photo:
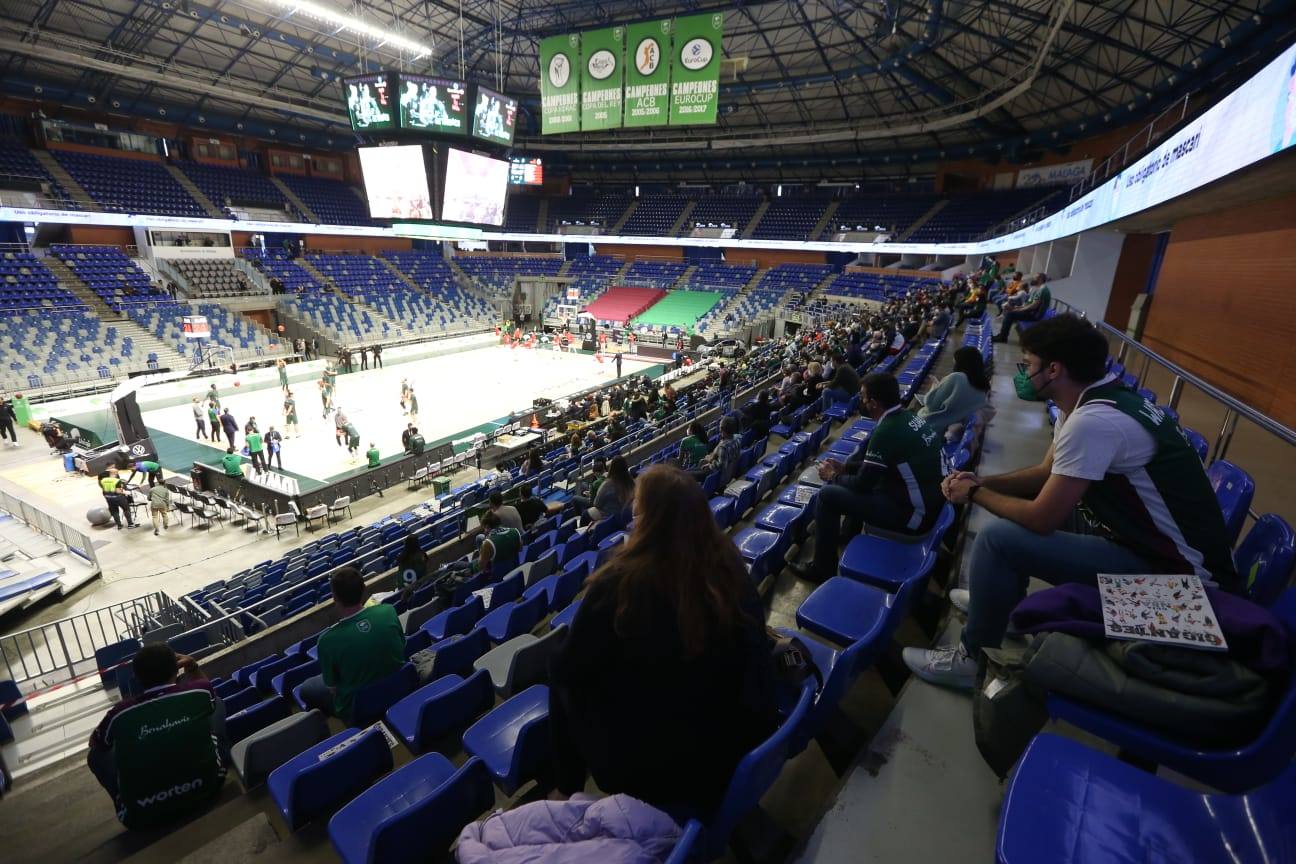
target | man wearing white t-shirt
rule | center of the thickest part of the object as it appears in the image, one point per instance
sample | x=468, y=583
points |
x=1114, y=452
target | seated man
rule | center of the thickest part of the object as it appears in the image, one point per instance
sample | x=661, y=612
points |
x=232, y=463
x=365, y=645
x=844, y=384
x=724, y=455
x=158, y=754
x=500, y=546
x=1112, y=451
x=1032, y=310
x=895, y=487
x=529, y=507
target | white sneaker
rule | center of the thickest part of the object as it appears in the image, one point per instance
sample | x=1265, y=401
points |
x=959, y=599
x=949, y=666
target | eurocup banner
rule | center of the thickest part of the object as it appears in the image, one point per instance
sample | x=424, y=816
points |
x=647, y=74
x=560, y=64
x=695, y=69
x=602, y=80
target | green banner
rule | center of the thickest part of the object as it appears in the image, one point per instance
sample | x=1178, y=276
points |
x=695, y=69
x=647, y=74
x=560, y=64
x=602, y=79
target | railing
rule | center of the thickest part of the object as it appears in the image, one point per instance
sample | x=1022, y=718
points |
x=47, y=524
x=61, y=651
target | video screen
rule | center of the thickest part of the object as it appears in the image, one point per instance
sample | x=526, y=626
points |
x=368, y=99
x=494, y=117
x=396, y=183
x=476, y=189
x=526, y=172
x=432, y=104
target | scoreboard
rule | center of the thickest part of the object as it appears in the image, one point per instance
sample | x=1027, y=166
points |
x=368, y=99
x=526, y=172
x=430, y=104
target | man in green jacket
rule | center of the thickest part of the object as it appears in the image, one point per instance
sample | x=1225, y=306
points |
x=365, y=645
x=232, y=463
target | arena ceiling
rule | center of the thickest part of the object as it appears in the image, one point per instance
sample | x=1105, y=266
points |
x=845, y=82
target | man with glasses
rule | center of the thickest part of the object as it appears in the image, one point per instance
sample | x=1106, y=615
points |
x=1114, y=452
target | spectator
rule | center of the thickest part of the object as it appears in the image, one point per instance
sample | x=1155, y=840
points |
x=159, y=499
x=724, y=456
x=534, y=463
x=615, y=493
x=365, y=645
x=665, y=681
x=158, y=754
x=1113, y=452
x=959, y=394
x=500, y=546
x=232, y=463
x=1032, y=310
x=939, y=323
x=529, y=507
x=372, y=456
x=411, y=565
x=844, y=384
x=895, y=487
x=756, y=416
x=508, y=514
x=695, y=447
x=973, y=305
x=229, y=425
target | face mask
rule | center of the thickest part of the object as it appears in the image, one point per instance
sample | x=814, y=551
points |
x=1024, y=383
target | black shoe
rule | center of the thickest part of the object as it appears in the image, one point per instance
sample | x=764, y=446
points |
x=804, y=571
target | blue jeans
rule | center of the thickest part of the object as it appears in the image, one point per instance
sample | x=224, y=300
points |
x=317, y=695
x=833, y=394
x=1004, y=557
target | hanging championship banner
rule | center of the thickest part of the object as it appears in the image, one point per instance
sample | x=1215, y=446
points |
x=560, y=84
x=647, y=74
x=602, y=81
x=695, y=69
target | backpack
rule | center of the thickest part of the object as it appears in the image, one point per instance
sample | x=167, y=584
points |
x=1007, y=711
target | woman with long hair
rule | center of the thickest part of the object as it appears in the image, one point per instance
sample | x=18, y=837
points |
x=665, y=681
x=615, y=493
x=959, y=394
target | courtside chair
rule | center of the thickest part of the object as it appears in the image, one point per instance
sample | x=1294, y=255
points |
x=1068, y=802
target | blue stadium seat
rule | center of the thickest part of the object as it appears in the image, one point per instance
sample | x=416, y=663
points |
x=236, y=702
x=413, y=814
x=444, y=707
x=889, y=563
x=845, y=611
x=514, y=618
x=456, y=620
x=331, y=773
x=1068, y=802
x=1235, y=770
x=762, y=550
x=565, y=617
x=1265, y=557
x=1198, y=442
x=255, y=718
x=1234, y=489
x=373, y=699
x=455, y=655
x=722, y=508
x=513, y=739
x=109, y=657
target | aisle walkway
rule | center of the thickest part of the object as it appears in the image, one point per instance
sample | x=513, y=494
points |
x=920, y=791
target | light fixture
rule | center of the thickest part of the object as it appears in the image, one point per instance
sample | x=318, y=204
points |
x=350, y=24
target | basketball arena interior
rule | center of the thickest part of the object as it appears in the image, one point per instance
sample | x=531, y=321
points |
x=815, y=432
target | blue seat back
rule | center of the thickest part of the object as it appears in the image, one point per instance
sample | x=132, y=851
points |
x=1234, y=490
x=433, y=823
x=1265, y=557
x=255, y=718
x=373, y=699
x=455, y=656
x=454, y=708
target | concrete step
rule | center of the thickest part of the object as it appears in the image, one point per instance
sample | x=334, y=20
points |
x=829, y=212
x=73, y=188
x=923, y=219
x=294, y=200
x=683, y=218
x=197, y=194
x=625, y=217
x=755, y=220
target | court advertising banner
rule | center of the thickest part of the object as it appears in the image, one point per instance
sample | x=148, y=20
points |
x=695, y=72
x=602, y=81
x=647, y=74
x=560, y=84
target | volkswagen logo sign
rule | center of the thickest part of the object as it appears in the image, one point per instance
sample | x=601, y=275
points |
x=559, y=70
x=647, y=56
x=138, y=449
x=696, y=54
x=602, y=64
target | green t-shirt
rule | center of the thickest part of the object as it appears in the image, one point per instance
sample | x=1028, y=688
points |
x=1044, y=296
x=254, y=444
x=213, y=417
x=233, y=464
x=375, y=459
x=909, y=451
x=359, y=650
x=146, y=465
x=506, y=544
x=692, y=451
